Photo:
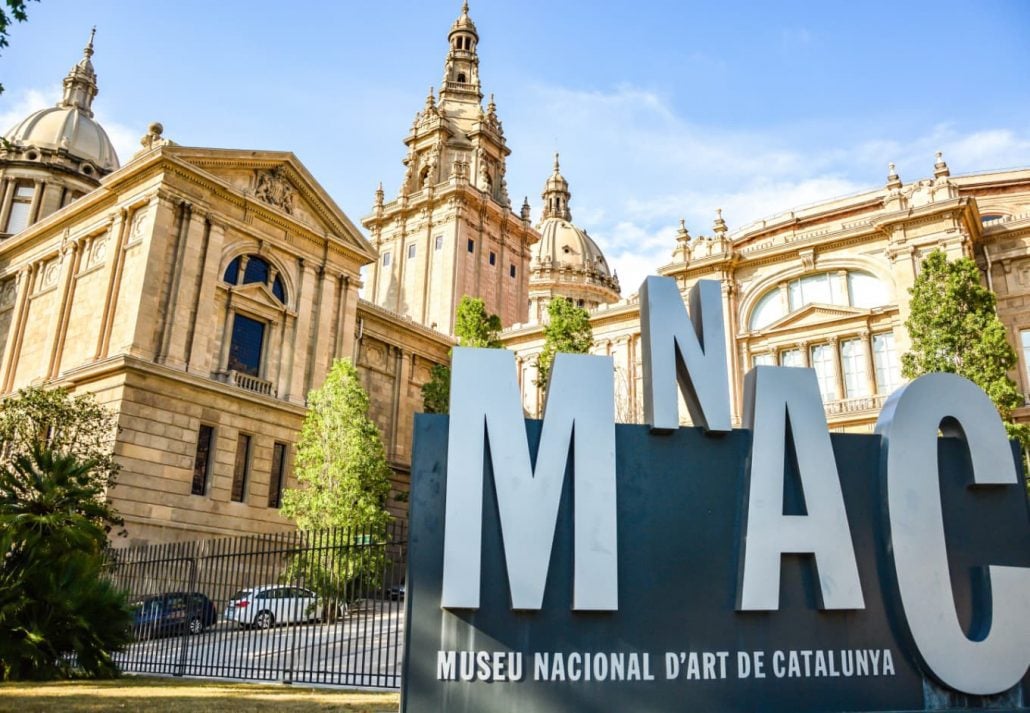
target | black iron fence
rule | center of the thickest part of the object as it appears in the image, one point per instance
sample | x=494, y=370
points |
x=318, y=607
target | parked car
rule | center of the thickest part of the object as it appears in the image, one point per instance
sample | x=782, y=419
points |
x=396, y=592
x=268, y=605
x=171, y=613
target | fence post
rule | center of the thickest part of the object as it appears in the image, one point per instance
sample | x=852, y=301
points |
x=191, y=588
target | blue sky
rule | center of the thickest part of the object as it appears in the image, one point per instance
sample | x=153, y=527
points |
x=661, y=111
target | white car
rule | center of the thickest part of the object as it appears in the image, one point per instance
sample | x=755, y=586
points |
x=266, y=606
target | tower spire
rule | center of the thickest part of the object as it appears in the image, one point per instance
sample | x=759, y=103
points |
x=80, y=86
x=556, y=194
x=461, y=70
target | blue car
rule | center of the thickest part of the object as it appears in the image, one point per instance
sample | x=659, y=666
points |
x=172, y=613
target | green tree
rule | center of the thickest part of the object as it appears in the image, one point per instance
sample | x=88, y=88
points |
x=53, y=420
x=567, y=330
x=954, y=328
x=474, y=327
x=345, y=481
x=10, y=12
x=56, y=606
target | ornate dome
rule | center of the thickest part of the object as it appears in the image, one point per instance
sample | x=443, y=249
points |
x=464, y=22
x=565, y=247
x=566, y=262
x=70, y=125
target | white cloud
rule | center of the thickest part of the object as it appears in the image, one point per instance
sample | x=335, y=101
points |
x=26, y=102
x=636, y=166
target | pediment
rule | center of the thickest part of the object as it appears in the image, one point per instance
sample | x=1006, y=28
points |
x=257, y=297
x=279, y=182
x=814, y=314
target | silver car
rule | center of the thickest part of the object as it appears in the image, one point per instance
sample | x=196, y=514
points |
x=265, y=606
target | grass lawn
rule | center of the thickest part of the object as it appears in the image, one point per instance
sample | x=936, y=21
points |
x=176, y=695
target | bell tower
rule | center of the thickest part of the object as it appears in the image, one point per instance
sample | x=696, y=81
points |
x=451, y=231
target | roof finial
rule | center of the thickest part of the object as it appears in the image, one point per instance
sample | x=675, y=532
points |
x=465, y=7
x=893, y=180
x=556, y=166
x=430, y=99
x=88, y=51
x=940, y=167
x=719, y=225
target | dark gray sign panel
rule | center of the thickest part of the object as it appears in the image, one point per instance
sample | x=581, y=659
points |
x=677, y=641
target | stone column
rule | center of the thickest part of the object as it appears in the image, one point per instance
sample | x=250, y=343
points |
x=5, y=206
x=26, y=282
x=837, y=371
x=37, y=200
x=870, y=366
x=203, y=342
x=115, y=256
x=189, y=259
x=71, y=256
x=299, y=352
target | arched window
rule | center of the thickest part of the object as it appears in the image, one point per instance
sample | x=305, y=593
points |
x=858, y=289
x=257, y=270
x=461, y=78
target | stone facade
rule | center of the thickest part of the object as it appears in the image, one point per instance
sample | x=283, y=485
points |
x=201, y=293
x=826, y=286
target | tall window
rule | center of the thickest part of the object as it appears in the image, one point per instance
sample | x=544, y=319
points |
x=438, y=242
x=18, y=218
x=241, y=469
x=248, y=339
x=202, y=461
x=763, y=360
x=853, y=363
x=822, y=361
x=411, y=251
x=386, y=259
x=885, y=361
x=792, y=357
x=277, y=476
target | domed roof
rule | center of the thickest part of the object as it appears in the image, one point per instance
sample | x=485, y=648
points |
x=464, y=22
x=565, y=247
x=69, y=128
x=70, y=125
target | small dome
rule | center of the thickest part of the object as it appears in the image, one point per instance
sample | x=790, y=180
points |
x=70, y=125
x=69, y=128
x=565, y=247
x=464, y=22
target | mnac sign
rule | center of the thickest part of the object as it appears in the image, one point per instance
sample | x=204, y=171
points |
x=572, y=564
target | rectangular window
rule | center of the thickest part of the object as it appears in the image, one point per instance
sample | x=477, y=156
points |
x=511, y=270
x=386, y=259
x=411, y=251
x=853, y=363
x=248, y=339
x=472, y=245
x=278, y=475
x=792, y=357
x=202, y=461
x=241, y=469
x=18, y=218
x=438, y=242
x=763, y=360
x=821, y=358
x=493, y=258
x=885, y=361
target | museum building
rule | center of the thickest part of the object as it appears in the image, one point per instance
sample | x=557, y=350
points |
x=201, y=293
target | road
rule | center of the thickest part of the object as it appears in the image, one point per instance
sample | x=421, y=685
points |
x=365, y=648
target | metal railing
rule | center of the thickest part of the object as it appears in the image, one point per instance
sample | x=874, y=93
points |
x=316, y=607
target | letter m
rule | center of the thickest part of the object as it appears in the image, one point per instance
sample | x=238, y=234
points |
x=580, y=412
